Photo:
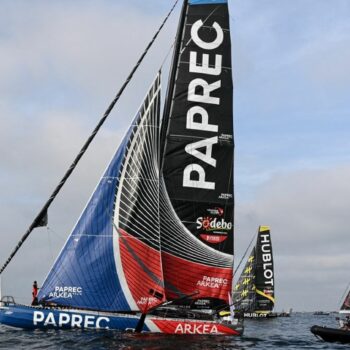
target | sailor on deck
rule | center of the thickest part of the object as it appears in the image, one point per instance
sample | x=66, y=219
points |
x=35, y=294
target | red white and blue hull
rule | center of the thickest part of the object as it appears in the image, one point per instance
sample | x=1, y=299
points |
x=28, y=317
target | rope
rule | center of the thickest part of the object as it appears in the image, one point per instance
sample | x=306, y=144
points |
x=245, y=253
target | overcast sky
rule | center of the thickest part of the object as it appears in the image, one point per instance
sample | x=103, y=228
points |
x=61, y=64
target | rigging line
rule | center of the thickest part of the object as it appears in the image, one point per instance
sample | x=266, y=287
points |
x=56, y=234
x=171, y=84
x=245, y=253
x=205, y=20
x=43, y=213
x=167, y=55
x=49, y=241
x=131, y=185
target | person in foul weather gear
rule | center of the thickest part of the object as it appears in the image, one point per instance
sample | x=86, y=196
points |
x=35, y=294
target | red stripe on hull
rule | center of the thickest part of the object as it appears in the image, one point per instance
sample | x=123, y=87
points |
x=187, y=277
x=192, y=327
x=142, y=268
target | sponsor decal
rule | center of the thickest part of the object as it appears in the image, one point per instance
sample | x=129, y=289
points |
x=254, y=314
x=195, y=328
x=269, y=297
x=192, y=327
x=203, y=94
x=212, y=282
x=202, y=302
x=213, y=238
x=225, y=137
x=211, y=224
x=216, y=211
x=66, y=292
x=147, y=301
x=69, y=320
x=225, y=196
x=215, y=229
x=267, y=258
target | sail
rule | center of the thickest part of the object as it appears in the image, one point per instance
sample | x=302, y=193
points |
x=345, y=308
x=197, y=165
x=111, y=260
x=254, y=290
x=264, y=279
x=244, y=290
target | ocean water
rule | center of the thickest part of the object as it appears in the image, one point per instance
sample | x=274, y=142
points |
x=279, y=333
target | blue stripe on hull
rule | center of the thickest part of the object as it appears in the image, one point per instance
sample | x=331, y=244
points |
x=38, y=318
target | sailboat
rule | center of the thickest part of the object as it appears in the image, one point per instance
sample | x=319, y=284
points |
x=341, y=334
x=153, y=249
x=254, y=293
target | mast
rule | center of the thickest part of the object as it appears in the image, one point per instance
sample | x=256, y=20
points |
x=171, y=82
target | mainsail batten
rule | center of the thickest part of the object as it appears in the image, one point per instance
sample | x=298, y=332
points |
x=137, y=216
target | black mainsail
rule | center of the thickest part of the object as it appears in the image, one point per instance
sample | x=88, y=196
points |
x=198, y=158
x=254, y=290
x=264, y=278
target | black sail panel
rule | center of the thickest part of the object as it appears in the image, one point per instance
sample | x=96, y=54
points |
x=198, y=157
x=265, y=282
x=244, y=290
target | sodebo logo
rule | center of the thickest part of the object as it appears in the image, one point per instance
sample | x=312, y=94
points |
x=208, y=223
